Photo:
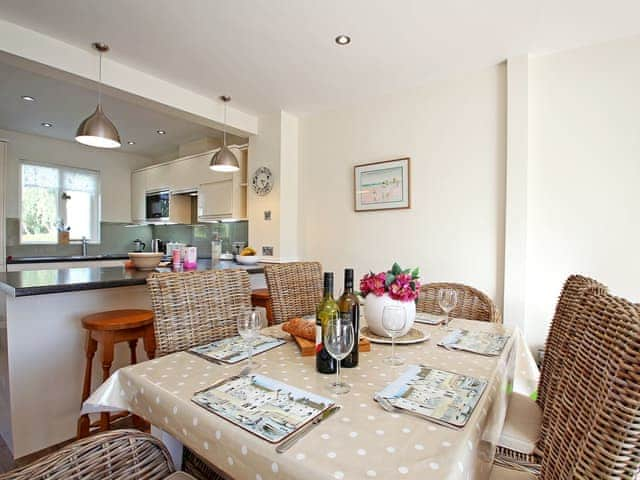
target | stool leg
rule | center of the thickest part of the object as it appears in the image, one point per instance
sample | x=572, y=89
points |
x=132, y=346
x=83, y=422
x=107, y=360
x=149, y=342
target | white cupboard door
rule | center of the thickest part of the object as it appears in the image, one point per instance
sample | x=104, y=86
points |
x=138, y=201
x=215, y=199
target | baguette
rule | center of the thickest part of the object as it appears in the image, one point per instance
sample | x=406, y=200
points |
x=299, y=327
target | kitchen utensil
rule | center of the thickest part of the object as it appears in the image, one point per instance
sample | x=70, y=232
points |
x=138, y=245
x=293, y=439
x=157, y=245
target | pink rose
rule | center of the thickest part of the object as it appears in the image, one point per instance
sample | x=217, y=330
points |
x=373, y=283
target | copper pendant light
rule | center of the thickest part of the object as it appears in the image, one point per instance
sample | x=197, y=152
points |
x=224, y=160
x=97, y=130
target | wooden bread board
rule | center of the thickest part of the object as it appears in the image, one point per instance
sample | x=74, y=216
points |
x=308, y=348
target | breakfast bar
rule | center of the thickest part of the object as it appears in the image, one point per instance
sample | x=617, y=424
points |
x=42, y=344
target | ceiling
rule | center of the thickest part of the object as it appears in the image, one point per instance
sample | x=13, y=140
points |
x=278, y=54
x=65, y=105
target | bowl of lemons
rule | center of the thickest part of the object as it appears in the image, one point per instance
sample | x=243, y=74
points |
x=247, y=257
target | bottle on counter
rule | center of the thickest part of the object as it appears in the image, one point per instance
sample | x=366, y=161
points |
x=350, y=312
x=327, y=310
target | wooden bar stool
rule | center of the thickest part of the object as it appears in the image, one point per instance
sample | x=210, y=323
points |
x=109, y=328
x=260, y=298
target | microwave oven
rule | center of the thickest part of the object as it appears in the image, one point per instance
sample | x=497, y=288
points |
x=157, y=206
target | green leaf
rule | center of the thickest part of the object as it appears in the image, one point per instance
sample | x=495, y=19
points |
x=390, y=279
x=407, y=270
x=413, y=286
x=415, y=273
x=395, y=269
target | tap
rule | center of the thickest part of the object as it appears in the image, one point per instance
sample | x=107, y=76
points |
x=85, y=244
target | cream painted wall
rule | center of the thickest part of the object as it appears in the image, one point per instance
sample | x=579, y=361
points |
x=115, y=169
x=584, y=174
x=264, y=151
x=454, y=132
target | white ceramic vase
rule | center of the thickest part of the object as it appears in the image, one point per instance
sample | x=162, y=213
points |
x=373, y=307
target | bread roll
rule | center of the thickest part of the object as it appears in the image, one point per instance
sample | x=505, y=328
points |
x=299, y=327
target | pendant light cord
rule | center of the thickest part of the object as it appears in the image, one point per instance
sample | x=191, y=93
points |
x=224, y=128
x=100, y=81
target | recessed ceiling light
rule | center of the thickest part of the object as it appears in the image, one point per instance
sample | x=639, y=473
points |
x=161, y=132
x=343, y=40
x=47, y=124
x=131, y=142
x=28, y=98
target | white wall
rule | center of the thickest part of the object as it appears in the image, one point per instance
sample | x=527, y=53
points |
x=584, y=174
x=454, y=132
x=115, y=169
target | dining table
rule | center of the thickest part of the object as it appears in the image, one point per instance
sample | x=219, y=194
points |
x=360, y=441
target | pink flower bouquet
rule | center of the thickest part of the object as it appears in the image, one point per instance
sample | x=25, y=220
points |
x=400, y=284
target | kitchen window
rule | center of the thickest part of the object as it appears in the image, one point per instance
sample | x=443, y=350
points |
x=52, y=198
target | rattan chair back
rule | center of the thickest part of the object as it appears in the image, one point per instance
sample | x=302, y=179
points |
x=472, y=303
x=295, y=289
x=195, y=308
x=575, y=288
x=115, y=455
x=596, y=434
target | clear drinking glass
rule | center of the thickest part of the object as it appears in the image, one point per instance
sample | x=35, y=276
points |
x=394, y=321
x=250, y=322
x=447, y=299
x=339, y=339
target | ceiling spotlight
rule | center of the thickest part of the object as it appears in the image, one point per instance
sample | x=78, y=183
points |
x=343, y=40
x=161, y=132
x=131, y=142
x=47, y=124
x=28, y=98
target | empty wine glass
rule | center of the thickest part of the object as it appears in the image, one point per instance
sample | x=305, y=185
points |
x=447, y=299
x=339, y=338
x=250, y=322
x=394, y=321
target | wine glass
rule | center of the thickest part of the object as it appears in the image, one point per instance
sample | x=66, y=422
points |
x=250, y=322
x=394, y=321
x=339, y=338
x=447, y=299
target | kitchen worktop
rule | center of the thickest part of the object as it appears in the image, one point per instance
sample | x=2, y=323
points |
x=62, y=258
x=40, y=282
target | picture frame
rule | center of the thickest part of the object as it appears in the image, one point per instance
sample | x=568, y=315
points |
x=384, y=185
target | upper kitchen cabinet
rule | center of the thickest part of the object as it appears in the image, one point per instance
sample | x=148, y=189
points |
x=220, y=195
x=138, y=191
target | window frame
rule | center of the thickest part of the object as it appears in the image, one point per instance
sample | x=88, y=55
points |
x=61, y=169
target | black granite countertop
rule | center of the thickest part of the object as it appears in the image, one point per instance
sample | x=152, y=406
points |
x=73, y=258
x=40, y=282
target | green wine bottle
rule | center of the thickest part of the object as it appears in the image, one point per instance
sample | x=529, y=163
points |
x=350, y=312
x=327, y=310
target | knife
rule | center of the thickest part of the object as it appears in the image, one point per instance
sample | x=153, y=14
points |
x=289, y=442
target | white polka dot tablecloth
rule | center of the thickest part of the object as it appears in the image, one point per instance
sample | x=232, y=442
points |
x=361, y=441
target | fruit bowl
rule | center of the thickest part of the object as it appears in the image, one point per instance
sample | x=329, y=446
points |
x=247, y=259
x=146, y=260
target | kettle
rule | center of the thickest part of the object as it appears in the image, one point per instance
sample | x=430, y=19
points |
x=138, y=245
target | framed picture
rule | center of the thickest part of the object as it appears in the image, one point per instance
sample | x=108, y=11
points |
x=382, y=185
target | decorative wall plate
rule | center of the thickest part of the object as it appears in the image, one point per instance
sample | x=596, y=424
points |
x=262, y=181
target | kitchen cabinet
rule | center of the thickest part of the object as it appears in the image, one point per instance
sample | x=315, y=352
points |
x=215, y=200
x=223, y=194
x=138, y=190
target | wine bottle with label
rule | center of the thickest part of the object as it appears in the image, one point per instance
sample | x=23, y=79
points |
x=350, y=312
x=327, y=310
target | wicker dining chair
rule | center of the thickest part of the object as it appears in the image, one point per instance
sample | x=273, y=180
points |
x=597, y=435
x=114, y=455
x=295, y=289
x=472, y=303
x=523, y=440
x=194, y=308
